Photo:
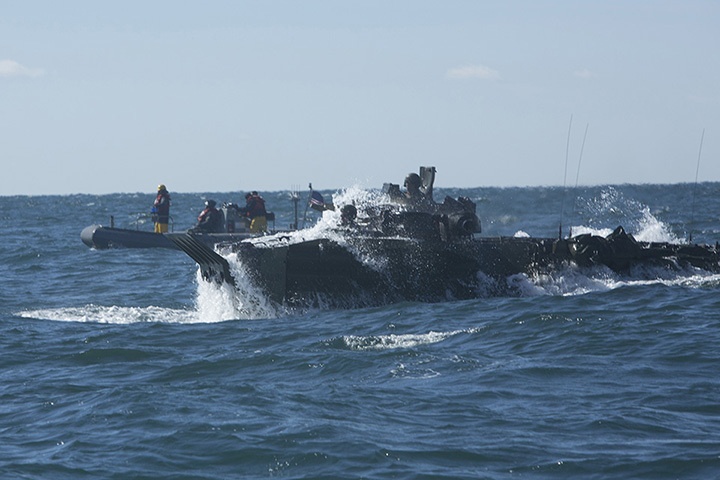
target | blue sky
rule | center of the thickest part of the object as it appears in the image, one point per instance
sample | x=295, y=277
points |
x=103, y=97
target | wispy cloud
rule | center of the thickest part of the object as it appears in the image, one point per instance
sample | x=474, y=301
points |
x=473, y=71
x=583, y=73
x=11, y=68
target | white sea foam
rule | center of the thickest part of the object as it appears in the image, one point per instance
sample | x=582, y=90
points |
x=567, y=282
x=392, y=341
x=612, y=208
x=650, y=229
x=114, y=314
x=572, y=280
x=218, y=302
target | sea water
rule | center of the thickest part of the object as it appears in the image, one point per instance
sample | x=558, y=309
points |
x=125, y=364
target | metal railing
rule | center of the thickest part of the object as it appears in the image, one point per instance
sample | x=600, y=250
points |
x=144, y=216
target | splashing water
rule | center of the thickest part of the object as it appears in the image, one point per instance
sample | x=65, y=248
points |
x=220, y=302
x=650, y=229
x=367, y=204
x=612, y=208
x=326, y=225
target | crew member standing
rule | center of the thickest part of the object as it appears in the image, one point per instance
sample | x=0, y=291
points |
x=255, y=210
x=161, y=210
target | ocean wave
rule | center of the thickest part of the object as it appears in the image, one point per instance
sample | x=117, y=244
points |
x=114, y=315
x=395, y=341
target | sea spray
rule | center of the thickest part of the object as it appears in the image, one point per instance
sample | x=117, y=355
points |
x=601, y=214
x=245, y=300
x=328, y=226
x=215, y=302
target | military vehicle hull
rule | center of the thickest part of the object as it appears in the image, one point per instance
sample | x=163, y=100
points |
x=354, y=269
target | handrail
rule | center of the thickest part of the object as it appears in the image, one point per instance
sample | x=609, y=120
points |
x=143, y=215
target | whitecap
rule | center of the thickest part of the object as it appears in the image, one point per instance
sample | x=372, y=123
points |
x=394, y=341
x=113, y=314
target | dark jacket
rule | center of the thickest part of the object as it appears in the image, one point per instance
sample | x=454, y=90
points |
x=210, y=220
x=255, y=206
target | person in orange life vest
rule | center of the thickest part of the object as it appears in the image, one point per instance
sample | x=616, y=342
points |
x=255, y=211
x=210, y=219
x=161, y=210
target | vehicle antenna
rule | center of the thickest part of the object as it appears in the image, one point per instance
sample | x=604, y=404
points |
x=307, y=204
x=562, y=202
x=697, y=170
x=577, y=174
x=295, y=199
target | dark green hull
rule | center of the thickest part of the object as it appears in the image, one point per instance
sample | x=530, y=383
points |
x=371, y=269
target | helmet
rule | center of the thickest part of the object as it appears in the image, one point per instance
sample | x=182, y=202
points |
x=413, y=179
x=161, y=187
x=210, y=203
x=348, y=212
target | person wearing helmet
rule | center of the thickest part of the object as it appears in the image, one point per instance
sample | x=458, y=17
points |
x=412, y=187
x=161, y=209
x=348, y=215
x=210, y=219
x=415, y=196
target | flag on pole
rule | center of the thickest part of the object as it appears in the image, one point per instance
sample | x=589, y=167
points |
x=317, y=201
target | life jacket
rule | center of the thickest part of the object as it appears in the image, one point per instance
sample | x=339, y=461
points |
x=206, y=215
x=256, y=206
x=210, y=220
x=162, y=204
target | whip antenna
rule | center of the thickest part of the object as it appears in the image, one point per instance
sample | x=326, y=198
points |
x=562, y=202
x=697, y=170
x=577, y=174
x=582, y=148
